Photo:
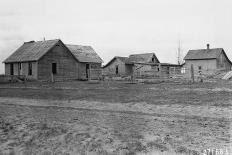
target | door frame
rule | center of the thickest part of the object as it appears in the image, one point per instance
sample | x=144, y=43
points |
x=11, y=69
x=87, y=67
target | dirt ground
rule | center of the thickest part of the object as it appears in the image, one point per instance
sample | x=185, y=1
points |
x=115, y=118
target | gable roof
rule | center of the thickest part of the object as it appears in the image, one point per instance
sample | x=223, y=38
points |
x=123, y=59
x=84, y=53
x=31, y=51
x=202, y=54
x=141, y=58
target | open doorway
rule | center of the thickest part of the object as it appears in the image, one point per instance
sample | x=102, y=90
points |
x=11, y=69
x=87, y=70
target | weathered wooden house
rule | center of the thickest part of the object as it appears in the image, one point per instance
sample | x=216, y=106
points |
x=207, y=61
x=116, y=66
x=42, y=60
x=145, y=64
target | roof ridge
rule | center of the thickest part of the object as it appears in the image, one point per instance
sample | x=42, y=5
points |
x=121, y=57
x=78, y=45
x=204, y=49
x=46, y=40
x=143, y=53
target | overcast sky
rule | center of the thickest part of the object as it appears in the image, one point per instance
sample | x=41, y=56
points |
x=118, y=27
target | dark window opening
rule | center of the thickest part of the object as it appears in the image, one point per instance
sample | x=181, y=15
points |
x=116, y=70
x=199, y=67
x=54, y=68
x=29, y=68
x=153, y=59
x=11, y=69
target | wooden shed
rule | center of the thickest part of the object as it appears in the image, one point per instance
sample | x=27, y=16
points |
x=43, y=60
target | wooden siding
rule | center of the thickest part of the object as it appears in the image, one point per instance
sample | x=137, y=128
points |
x=111, y=68
x=208, y=66
x=24, y=69
x=67, y=66
x=82, y=69
x=223, y=63
x=7, y=69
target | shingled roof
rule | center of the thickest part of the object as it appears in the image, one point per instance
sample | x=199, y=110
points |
x=141, y=58
x=123, y=59
x=84, y=53
x=203, y=54
x=31, y=51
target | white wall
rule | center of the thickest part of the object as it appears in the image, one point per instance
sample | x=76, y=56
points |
x=207, y=66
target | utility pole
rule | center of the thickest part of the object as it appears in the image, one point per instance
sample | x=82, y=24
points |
x=178, y=54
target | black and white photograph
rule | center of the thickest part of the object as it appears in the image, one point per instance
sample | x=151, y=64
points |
x=115, y=77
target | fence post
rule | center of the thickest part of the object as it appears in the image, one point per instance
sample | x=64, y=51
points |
x=192, y=73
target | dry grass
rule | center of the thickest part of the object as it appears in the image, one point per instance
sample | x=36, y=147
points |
x=118, y=118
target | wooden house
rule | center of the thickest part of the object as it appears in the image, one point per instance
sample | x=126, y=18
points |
x=207, y=61
x=43, y=60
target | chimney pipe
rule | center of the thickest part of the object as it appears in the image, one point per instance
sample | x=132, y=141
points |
x=207, y=46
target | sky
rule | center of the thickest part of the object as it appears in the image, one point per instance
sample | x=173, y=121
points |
x=118, y=27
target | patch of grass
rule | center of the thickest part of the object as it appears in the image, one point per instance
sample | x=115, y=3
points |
x=47, y=153
x=156, y=145
x=182, y=150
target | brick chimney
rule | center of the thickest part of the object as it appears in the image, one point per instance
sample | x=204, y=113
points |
x=208, y=46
